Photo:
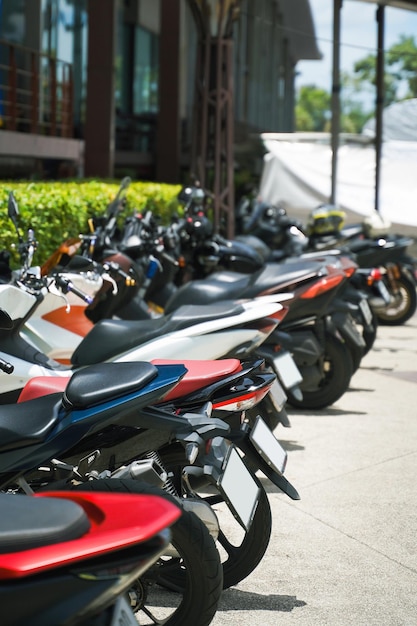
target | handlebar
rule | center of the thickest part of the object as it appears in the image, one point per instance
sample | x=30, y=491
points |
x=6, y=367
x=67, y=285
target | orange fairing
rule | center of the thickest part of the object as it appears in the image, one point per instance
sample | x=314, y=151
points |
x=76, y=321
x=69, y=247
x=321, y=286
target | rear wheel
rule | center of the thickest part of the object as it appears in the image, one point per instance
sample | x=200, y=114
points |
x=404, y=305
x=338, y=370
x=183, y=587
x=240, y=551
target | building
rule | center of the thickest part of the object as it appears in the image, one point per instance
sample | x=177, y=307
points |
x=108, y=87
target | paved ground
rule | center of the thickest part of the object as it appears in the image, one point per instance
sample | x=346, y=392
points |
x=346, y=553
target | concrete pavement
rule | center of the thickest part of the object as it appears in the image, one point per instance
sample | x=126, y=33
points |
x=346, y=553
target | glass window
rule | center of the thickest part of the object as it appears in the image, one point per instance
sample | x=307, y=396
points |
x=145, y=72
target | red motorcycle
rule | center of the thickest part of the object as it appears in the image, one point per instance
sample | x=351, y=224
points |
x=72, y=557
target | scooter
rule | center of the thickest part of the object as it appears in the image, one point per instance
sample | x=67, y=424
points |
x=370, y=243
x=73, y=557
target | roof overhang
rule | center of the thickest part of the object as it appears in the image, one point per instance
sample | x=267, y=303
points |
x=409, y=5
x=299, y=29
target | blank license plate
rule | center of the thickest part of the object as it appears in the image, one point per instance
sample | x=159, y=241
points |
x=366, y=311
x=239, y=488
x=287, y=371
x=384, y=291
x=278, y=395
x=268, y=446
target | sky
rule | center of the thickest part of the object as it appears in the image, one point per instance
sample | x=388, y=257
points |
x=358, y=37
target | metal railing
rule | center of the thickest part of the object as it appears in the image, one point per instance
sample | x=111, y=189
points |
x=36, y=92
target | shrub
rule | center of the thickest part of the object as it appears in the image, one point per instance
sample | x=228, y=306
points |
x=57, y=210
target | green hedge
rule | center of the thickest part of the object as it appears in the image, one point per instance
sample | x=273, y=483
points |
x=57, y=210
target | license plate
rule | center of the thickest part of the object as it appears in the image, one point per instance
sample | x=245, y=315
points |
x=382, y=288
x=123, y=614
x=239, y=488
x=278, y=396
x=287, y=371
x=366, y=311
x=268, y=446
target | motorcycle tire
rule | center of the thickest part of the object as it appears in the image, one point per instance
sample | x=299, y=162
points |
x=199, y=592
x=338, y=368
x=240, y=551
x=405, y=306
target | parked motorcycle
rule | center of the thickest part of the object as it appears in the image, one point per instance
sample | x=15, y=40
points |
x=218, y=331
x=104, y=408
x=370, y=243
x=73, y=557
x=120, y=448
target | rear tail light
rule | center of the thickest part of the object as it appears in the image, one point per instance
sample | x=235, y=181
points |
x=244, y=402
x=322, y=285
x=373, y=276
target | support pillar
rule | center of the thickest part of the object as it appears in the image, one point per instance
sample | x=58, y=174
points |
x=100, y=107
x=168, y=133
x=335, y=126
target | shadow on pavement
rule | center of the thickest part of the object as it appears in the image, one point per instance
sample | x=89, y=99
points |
x=329, y=411
x=237, y=600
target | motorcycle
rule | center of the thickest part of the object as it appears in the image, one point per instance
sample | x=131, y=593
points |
x=43, y=333
x=373, y=247
x=73, y=557
x=118, y=446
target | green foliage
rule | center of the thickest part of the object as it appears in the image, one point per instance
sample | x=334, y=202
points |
x=312, y=110
x=313, y=107
x=402, y=57
x=58, y=210
x=400, y=68
x=365, y=71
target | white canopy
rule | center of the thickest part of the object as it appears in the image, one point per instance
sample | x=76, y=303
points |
x=297, y=174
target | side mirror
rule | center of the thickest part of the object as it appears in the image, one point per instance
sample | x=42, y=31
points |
x=125, y=182
x=12, y=208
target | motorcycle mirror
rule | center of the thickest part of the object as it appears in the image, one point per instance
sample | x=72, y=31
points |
x=13, y=213
x=125, y=182
x=12, y=208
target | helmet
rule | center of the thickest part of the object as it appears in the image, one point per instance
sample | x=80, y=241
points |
x=326, y=219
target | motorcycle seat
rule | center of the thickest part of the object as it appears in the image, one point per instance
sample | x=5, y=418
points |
x=110, y=337
x=199, y=374
x=106, y=381
x=20, y=427
x=34, y=522
x=219, y=286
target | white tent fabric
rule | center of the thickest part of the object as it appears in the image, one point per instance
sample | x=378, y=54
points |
x=399, y=122
x=297, y=174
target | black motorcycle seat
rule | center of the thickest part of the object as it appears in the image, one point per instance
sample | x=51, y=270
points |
x=272, y=278
x=101, y=382
x=23, y=425
x=109, y=338
x=34, y=522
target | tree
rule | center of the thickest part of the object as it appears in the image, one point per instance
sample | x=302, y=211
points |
x=312, y=109
x=402, y=57
x=400, y=68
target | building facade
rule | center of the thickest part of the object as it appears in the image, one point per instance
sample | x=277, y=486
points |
x=108, y=87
